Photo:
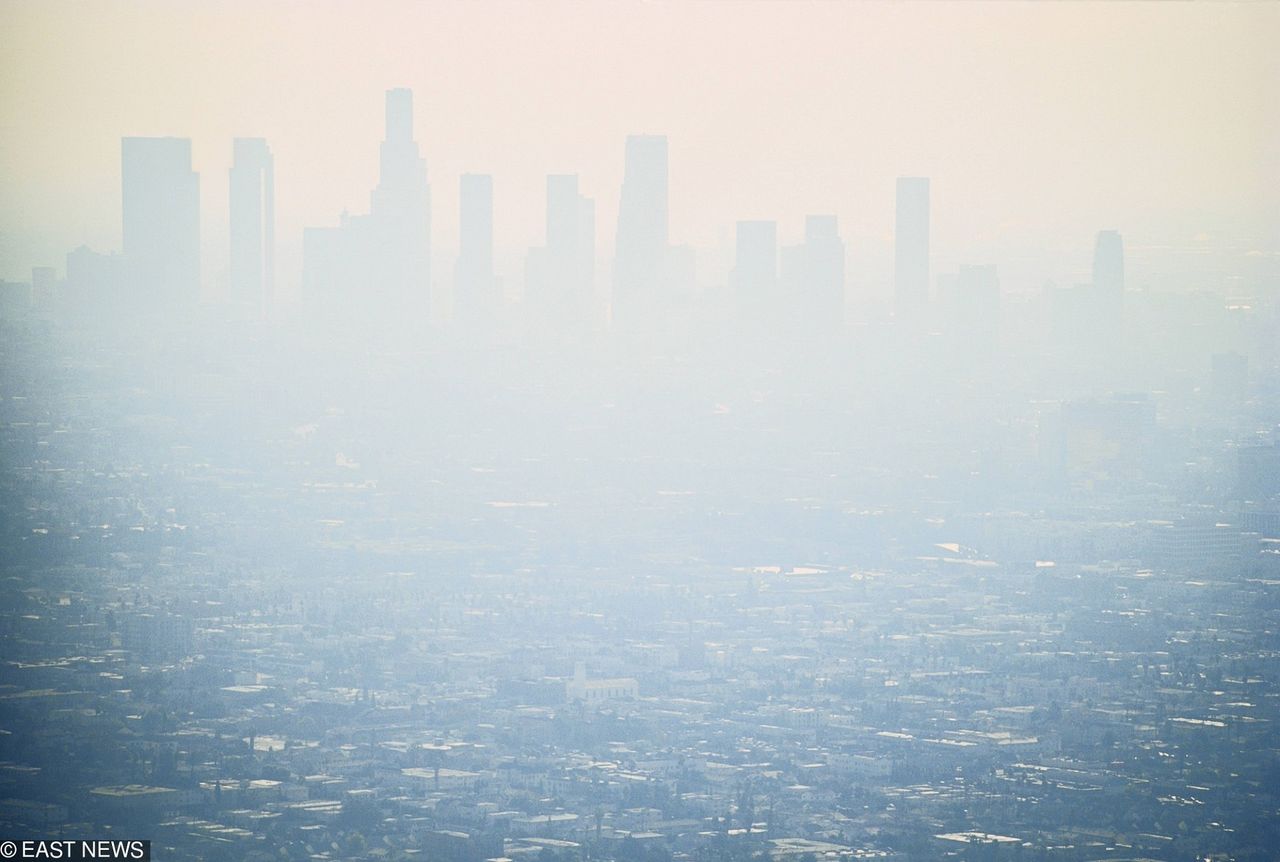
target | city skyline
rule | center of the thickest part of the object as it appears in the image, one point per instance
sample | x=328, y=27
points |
x=640, y=432
x=1165, y=172
x=380, y=262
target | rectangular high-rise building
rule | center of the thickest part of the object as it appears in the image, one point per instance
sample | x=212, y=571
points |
x=641, y=251
x=475, y=288
x=161, y=219
x=560, y=277
x=1108, y=262
x=911, y=245
x=399, y=115
x=252, y=205
x=1108, y=313
x=398, y=240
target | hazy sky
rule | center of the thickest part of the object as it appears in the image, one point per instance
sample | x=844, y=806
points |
x=1039, y=123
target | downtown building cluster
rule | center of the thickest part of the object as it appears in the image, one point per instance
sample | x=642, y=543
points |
x=994, y=578
x=379, y=267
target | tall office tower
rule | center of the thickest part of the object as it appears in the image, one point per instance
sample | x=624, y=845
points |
x=639, y=267
x=379, y=265
x=253, y=224
x=161, y=208
x=400, y=213
x=476, y=299
x=1104, y=340
x=755, y=272
x=1108, y=262
x=911, y=246
x=821, y=299
x=560, y=276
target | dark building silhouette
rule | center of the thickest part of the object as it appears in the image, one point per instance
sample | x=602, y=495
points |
x=476, y=298
x=639, y=269
x=161, y=209
x=911, y=246
x=252, y=206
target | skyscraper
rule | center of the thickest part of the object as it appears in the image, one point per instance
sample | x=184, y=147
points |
x=253, y=229
x=161, y=215
x=560, y=276
x=911, y=246
x=1108, y=262
x=476, y=297
x=1108, y=325
x=641, y=248
x=379, y=264
x=821, y=300
x=400, y=211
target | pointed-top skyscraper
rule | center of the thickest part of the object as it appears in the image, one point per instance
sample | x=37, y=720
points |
x=641, y=250
x=1107, y=313
x=400, y=209
x=379, y=265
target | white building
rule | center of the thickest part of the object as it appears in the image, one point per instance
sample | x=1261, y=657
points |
x=591, y=691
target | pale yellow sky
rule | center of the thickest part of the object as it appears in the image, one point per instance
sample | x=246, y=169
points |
x=1039, y=123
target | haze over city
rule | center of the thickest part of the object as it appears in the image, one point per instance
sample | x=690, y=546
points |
x=1036, y=124
x=640, y=432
